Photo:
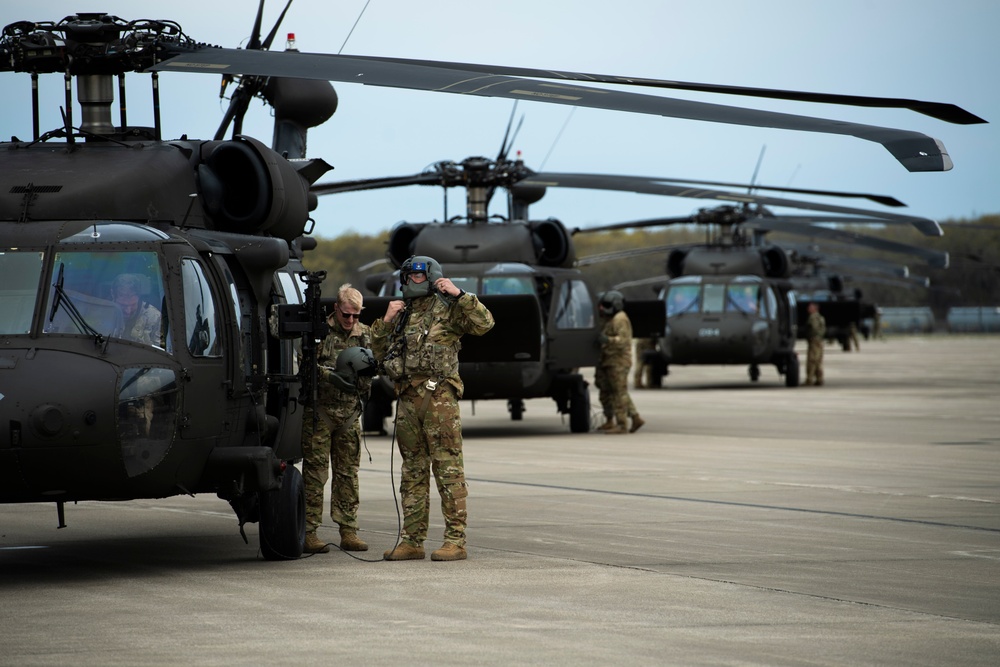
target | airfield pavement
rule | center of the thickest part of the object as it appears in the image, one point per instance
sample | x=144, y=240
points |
x=745, y=524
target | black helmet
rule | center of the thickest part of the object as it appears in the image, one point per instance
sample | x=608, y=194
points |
x=419, y=264
x=612, y=302
x=353, y=363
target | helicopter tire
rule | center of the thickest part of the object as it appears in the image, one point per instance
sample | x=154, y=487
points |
x=283, y=518
x=516, y=407
x=579, y=408
x=655, y=376
x=754, y=372
x=792, y=371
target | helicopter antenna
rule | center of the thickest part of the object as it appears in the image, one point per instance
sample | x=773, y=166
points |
x=358, y=20
x=756, y=170
x=504, y=147
x=556, y=140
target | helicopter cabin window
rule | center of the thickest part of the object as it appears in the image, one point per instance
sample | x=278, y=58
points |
x=507, y=285
x=772, y=304
x=112, y=294
x=683, y=299
x=574, y=307
x=19, y=292
x=201, y=325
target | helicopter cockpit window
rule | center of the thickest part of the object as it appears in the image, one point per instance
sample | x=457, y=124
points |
x=200, y=313
x=507, y=285
x=742, y=298
x=772, y=304
x=713, y=298
x=574, y=307
x=683, y=299
x=113, y=294
x=19, y=291
x=467, y=284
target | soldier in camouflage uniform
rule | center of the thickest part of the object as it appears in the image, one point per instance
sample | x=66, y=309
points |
x=142, y=320
x=611, y=376
x=418, y=341
x=331, y=435
x=815, y=334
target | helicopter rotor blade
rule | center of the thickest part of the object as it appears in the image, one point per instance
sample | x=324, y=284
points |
x=425, y=178
x=916, y=151
x=637, y=224
x=277, y=24
x=793, y=225
x=631, y=252
x=646, y=185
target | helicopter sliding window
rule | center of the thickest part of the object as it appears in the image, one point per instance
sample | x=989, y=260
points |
x=115, y=294
x=200, y=313
x=574, y=307
x=19, y=291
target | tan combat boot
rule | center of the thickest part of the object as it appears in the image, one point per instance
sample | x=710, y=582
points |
x=314, y=545
x=609, y=423
x=349, y=540
x=637, y=423
x=449, y=551
x=404, y=551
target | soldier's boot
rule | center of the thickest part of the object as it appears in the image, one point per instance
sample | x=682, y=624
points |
x=314, y=545
x=609, y=423
x=404, y=551
x=637, y=423
x=449, y=551
x=349, y=540
x=619, y=426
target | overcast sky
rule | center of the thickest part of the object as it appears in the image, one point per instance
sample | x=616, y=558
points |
x=920, y=49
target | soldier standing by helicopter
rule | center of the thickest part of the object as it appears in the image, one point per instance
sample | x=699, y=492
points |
x=418, y=342
x=612, y=370
x=815, y=333
x=334, y=438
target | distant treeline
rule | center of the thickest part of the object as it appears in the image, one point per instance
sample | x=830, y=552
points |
x=973, y=279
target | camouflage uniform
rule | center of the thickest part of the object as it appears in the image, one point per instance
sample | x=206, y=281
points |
x=423, y=363
x=144, y=326
x=333, y=437
x=611, y=376
x=815, y=333
x=642, y=345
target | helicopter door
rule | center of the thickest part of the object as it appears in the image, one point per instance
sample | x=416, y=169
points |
x=572, y=327
x=205, y=392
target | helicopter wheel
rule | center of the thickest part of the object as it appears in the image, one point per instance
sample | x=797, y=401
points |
x=754, y=373
x=283, y=518
x=516, y=408
x=792, y=371
x=579, y=408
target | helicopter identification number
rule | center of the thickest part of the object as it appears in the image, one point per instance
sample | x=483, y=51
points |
x=708, y=332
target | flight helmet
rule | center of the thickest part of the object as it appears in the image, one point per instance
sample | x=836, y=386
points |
x=612, y=302
x=419, y=264
x=353, y=363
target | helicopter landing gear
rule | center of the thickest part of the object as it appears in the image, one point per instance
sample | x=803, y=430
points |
x=579, y=407
x=754, y=372
x=516, y=408
x=283, y=518
x=792, y=371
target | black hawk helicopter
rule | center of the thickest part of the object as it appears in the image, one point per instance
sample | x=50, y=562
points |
x=733, y=300
x=526, y=272
x=200, y=391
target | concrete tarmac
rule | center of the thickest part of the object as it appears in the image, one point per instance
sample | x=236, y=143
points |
x=856, y=523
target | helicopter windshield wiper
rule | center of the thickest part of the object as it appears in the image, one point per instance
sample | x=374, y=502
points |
x=77, y=318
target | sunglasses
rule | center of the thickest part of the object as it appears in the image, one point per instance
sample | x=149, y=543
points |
x=350, y=316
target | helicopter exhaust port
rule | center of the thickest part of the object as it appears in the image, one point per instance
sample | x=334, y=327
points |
x=246, y=188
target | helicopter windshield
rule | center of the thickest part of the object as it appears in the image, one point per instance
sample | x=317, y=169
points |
x=113, y=294
x=742, y=298
x=19, y=290
x=507, y=285
x=683, y=299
